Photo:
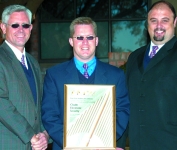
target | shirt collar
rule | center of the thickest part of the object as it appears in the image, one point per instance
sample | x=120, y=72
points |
x=91, y=65
x=17, y=53
x=152, y=44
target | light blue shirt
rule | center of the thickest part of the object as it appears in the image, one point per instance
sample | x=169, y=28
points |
x=91, y=66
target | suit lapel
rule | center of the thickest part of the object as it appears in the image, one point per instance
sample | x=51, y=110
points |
x=100, y=76
x=161, y=54
x=35, y=74
x=71, y=74
x=17, y=69
x=140, y=60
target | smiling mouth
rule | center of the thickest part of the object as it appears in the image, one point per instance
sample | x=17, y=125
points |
x=159, y=35
x=85, y=48
x=159, y=31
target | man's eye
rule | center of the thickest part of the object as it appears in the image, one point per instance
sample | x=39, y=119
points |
x=165, y=20
x=153, y=21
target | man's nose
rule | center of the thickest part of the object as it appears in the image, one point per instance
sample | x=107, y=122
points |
x=85, y=40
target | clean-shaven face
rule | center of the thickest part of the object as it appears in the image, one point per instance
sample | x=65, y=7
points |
x=84, y=50
x=17, y=36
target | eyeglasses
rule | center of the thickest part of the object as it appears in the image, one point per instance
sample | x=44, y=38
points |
x=87, y=37
x=16, y=25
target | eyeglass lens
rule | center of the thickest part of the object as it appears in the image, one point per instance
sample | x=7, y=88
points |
x=26, y=26
x=81, y=37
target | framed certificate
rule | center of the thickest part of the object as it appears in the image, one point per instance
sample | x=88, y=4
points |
x=89, y=117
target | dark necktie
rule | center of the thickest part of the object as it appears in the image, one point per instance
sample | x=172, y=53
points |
x=154, y=51
x=85, y=66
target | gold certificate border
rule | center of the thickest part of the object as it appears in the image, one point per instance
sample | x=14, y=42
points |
x=89, y=117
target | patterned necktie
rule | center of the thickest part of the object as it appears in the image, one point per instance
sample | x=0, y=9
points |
x=154, y=51
x=85, y=66
x=23, y=60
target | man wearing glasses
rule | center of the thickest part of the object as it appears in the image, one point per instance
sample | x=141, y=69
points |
x=84, y=68
x=20, y=85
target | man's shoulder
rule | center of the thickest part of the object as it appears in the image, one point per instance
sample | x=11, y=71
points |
x=137, y=52
x=31, y=57
x=3, y=48
x=140, y=49
x=4, y=52
x=108, y=67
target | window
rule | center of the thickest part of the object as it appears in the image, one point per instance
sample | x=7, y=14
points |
x=121, y=26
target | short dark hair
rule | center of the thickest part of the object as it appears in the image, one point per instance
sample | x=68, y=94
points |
x=166, y=3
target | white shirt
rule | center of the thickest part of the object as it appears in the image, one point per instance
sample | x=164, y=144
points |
x=17, y=53
x=152, y=44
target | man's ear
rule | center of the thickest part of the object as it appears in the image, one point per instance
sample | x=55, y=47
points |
x=71, y=41
x=97, y=41
x=3, y=28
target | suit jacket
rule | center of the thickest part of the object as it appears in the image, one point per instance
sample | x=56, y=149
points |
x=53, y=96
x=153, y=98
x=19, y=116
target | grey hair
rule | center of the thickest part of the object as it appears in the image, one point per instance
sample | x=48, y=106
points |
x=15, y=8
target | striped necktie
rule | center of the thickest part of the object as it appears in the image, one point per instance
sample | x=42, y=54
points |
x=154, y=51
x=85, y=66
x=23, y=60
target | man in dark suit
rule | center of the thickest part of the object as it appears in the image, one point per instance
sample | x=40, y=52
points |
x=83, y=39
x=20, y=85
x=152, y=84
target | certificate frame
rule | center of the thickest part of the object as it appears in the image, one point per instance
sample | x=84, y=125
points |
x=89, y=117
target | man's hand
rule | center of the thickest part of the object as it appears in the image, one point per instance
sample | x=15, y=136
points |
x=34, y=139
x=41, y=143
